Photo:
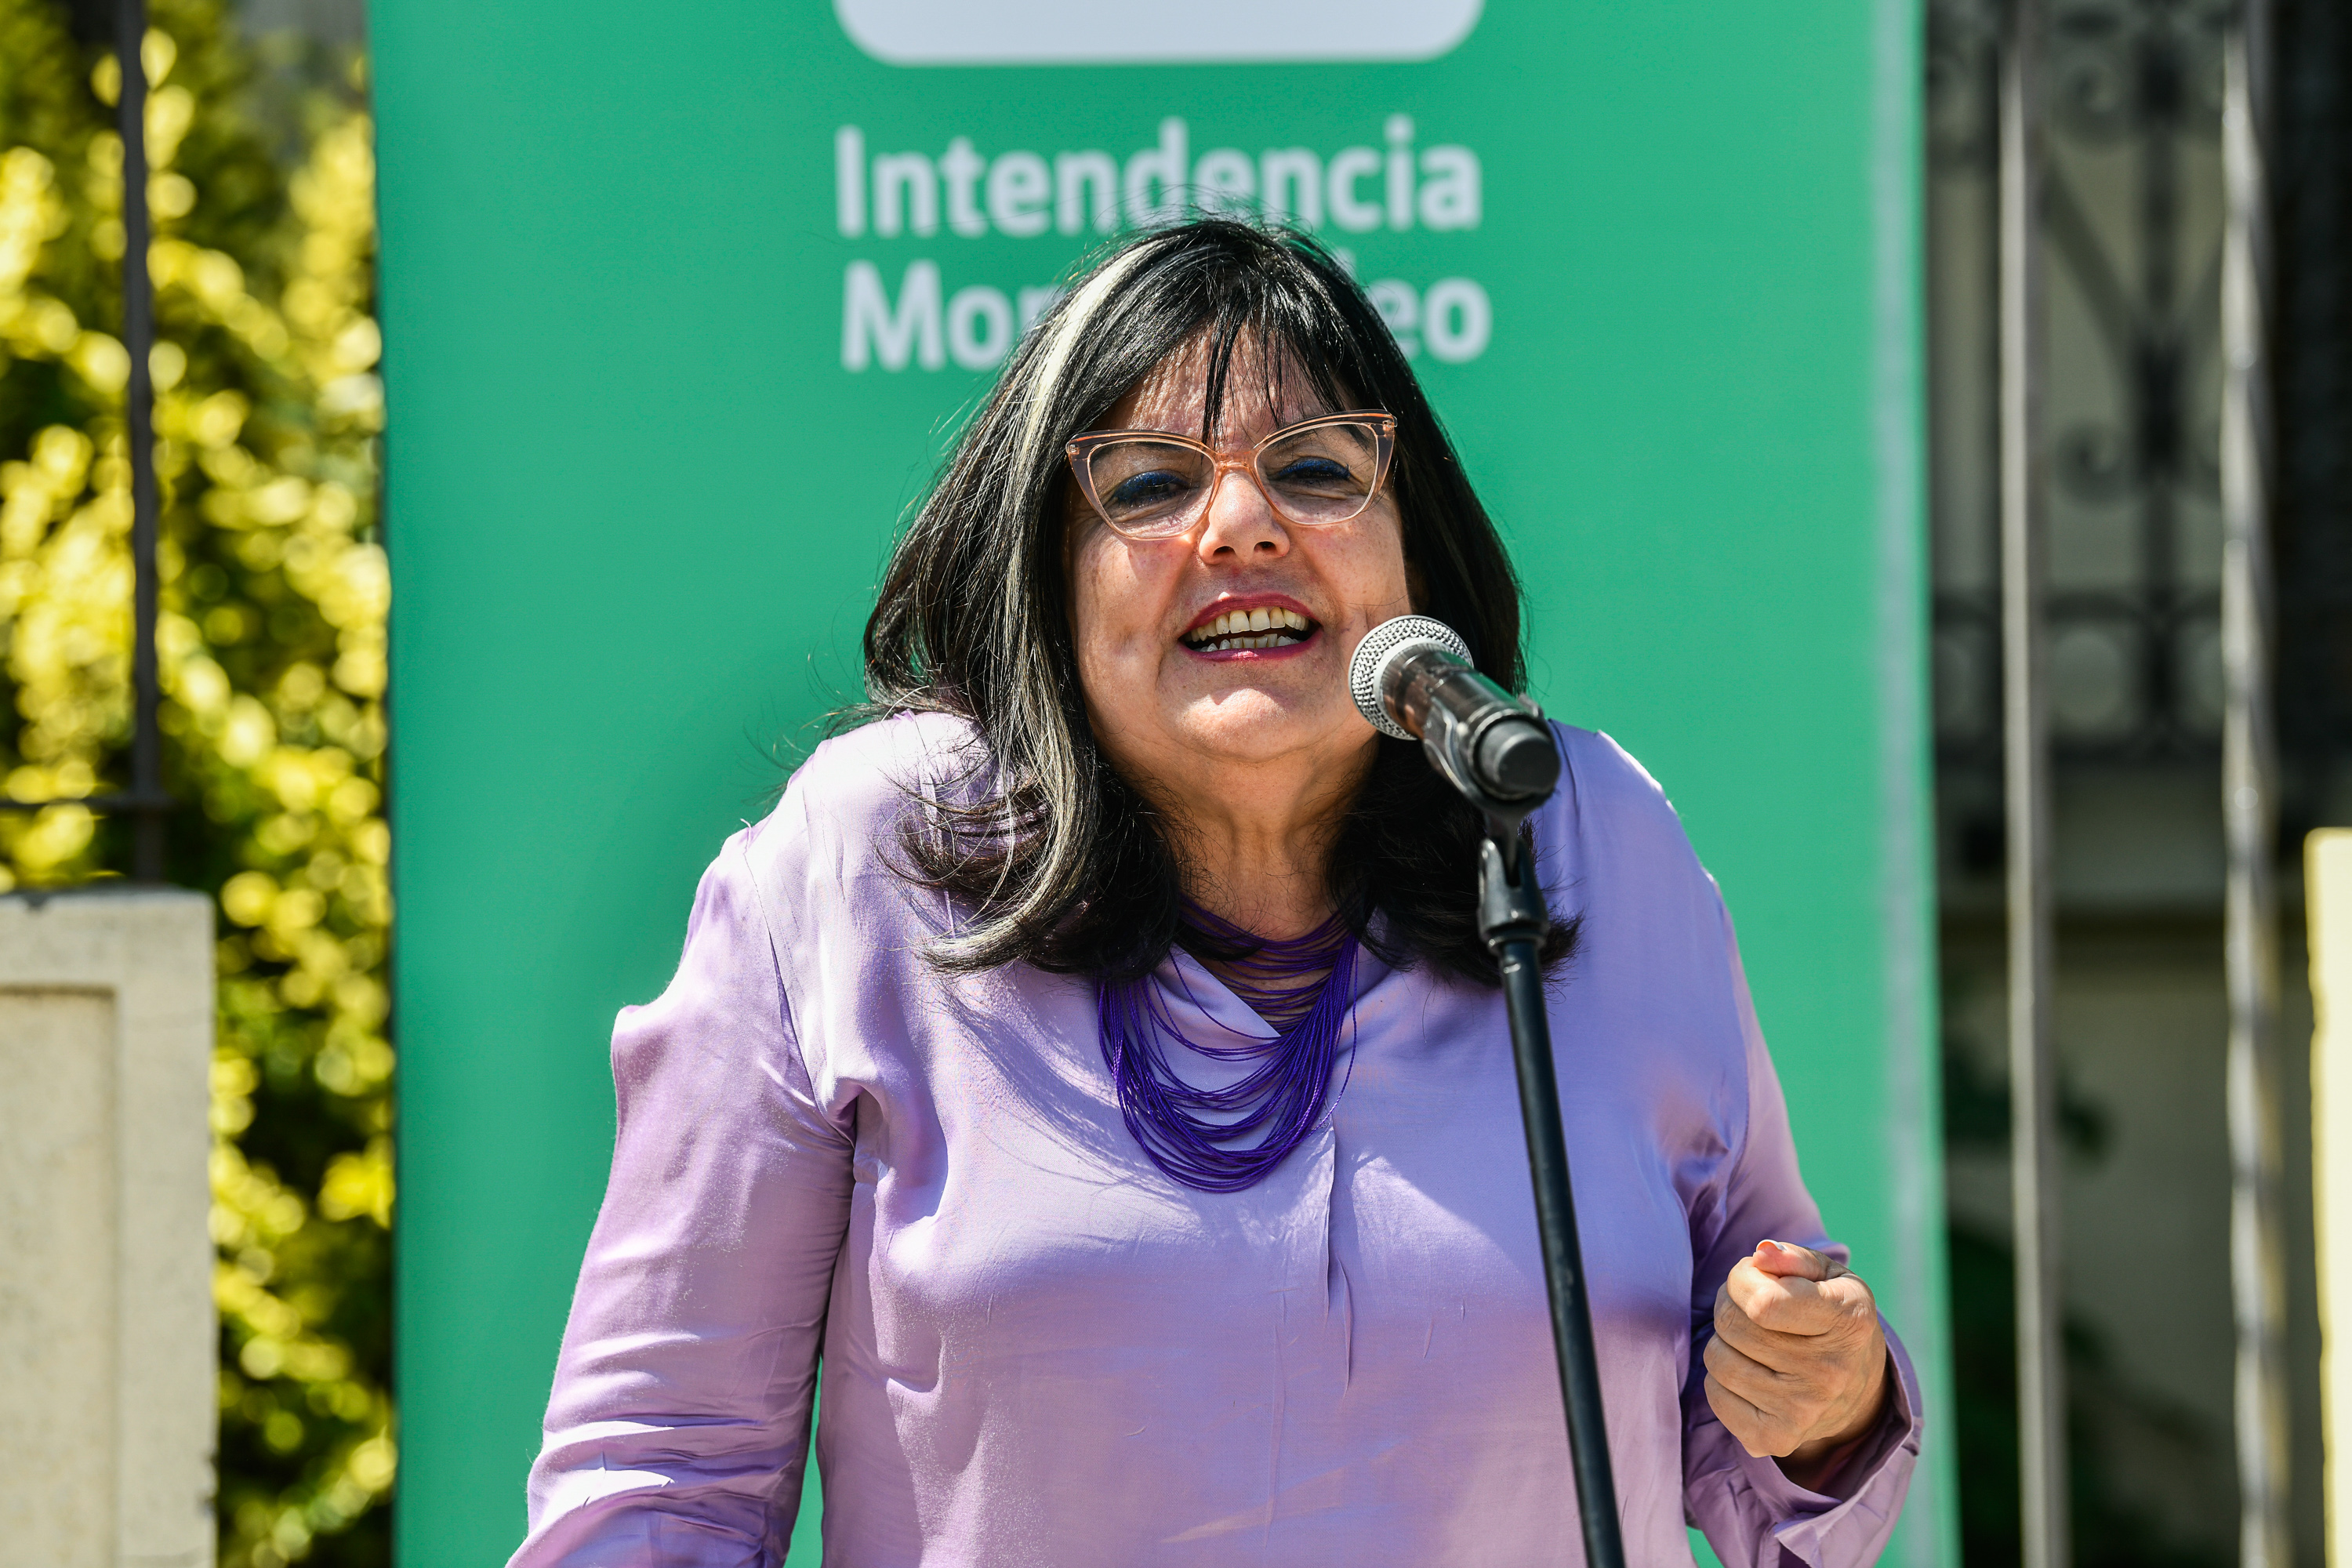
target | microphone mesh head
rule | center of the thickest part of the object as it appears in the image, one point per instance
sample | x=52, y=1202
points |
x=1383, y=643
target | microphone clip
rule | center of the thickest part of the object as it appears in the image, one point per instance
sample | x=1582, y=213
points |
x=1511, y=908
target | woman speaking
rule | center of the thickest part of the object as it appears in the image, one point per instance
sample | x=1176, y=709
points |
x=1087, y=1094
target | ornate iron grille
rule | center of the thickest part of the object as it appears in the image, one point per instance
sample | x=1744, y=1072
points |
x=2314, y=392
x=2134, y=245
x=2133, y=219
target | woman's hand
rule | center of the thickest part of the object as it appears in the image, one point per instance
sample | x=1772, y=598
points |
x=1798, y=1366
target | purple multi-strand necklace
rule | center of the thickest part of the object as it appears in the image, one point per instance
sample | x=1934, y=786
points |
x=1223, y=1140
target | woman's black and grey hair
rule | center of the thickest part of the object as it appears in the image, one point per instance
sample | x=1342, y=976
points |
x=1051, y=855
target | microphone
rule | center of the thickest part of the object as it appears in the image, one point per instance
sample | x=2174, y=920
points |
x=1412, y=677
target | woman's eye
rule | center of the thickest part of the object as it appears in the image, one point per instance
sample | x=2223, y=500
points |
x=1312, y=472
x=1147, y=488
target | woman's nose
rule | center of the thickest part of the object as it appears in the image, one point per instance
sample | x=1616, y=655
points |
x=1240, y=525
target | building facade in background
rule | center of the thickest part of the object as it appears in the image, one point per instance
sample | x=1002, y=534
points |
x=2133, y=226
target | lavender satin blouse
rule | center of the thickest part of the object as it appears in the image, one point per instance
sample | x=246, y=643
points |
x=835, y=1165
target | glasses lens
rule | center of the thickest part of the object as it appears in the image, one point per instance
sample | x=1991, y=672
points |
x=1324, y=473
x=1149, y=486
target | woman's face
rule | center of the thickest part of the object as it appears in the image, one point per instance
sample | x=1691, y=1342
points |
x=1165, y=703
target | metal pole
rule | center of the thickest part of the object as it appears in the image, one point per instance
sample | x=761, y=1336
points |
x=145, y=802
x=138, y=435
x=2250, y=806
x=2034, y=1166
x=1511, y=919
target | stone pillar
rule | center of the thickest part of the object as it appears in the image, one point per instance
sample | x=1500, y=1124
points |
x=108, y=1342
x=2328, y=911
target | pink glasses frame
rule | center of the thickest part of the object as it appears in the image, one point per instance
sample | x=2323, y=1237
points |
x=1082, y=449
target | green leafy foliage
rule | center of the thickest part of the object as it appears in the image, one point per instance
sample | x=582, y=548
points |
x=274, y=594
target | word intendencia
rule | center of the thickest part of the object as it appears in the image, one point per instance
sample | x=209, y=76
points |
x=977, y=325
x=1021, y=194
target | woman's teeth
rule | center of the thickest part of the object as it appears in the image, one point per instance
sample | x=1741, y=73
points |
x=1266, y=627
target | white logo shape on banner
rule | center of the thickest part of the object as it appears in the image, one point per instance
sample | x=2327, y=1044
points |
x=1140, y=32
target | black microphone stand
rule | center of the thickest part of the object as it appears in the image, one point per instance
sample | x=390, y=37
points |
x=1511, y=921
x=1495, y=749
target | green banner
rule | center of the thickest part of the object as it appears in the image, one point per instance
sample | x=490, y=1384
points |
x=684, y=303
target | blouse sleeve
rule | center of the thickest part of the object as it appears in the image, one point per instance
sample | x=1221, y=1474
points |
x=677, y=1430
x=1752, y=1514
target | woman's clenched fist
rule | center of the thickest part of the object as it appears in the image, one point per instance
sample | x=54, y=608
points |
x=1798, y=1366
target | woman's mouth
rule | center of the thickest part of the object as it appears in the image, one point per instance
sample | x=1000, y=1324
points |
x=1239, y=631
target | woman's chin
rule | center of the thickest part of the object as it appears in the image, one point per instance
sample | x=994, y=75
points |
x=1252, y=723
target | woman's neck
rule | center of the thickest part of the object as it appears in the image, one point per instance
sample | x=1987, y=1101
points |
x=1255, y=840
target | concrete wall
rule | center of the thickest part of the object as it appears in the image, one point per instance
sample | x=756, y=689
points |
x=107, y=1335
